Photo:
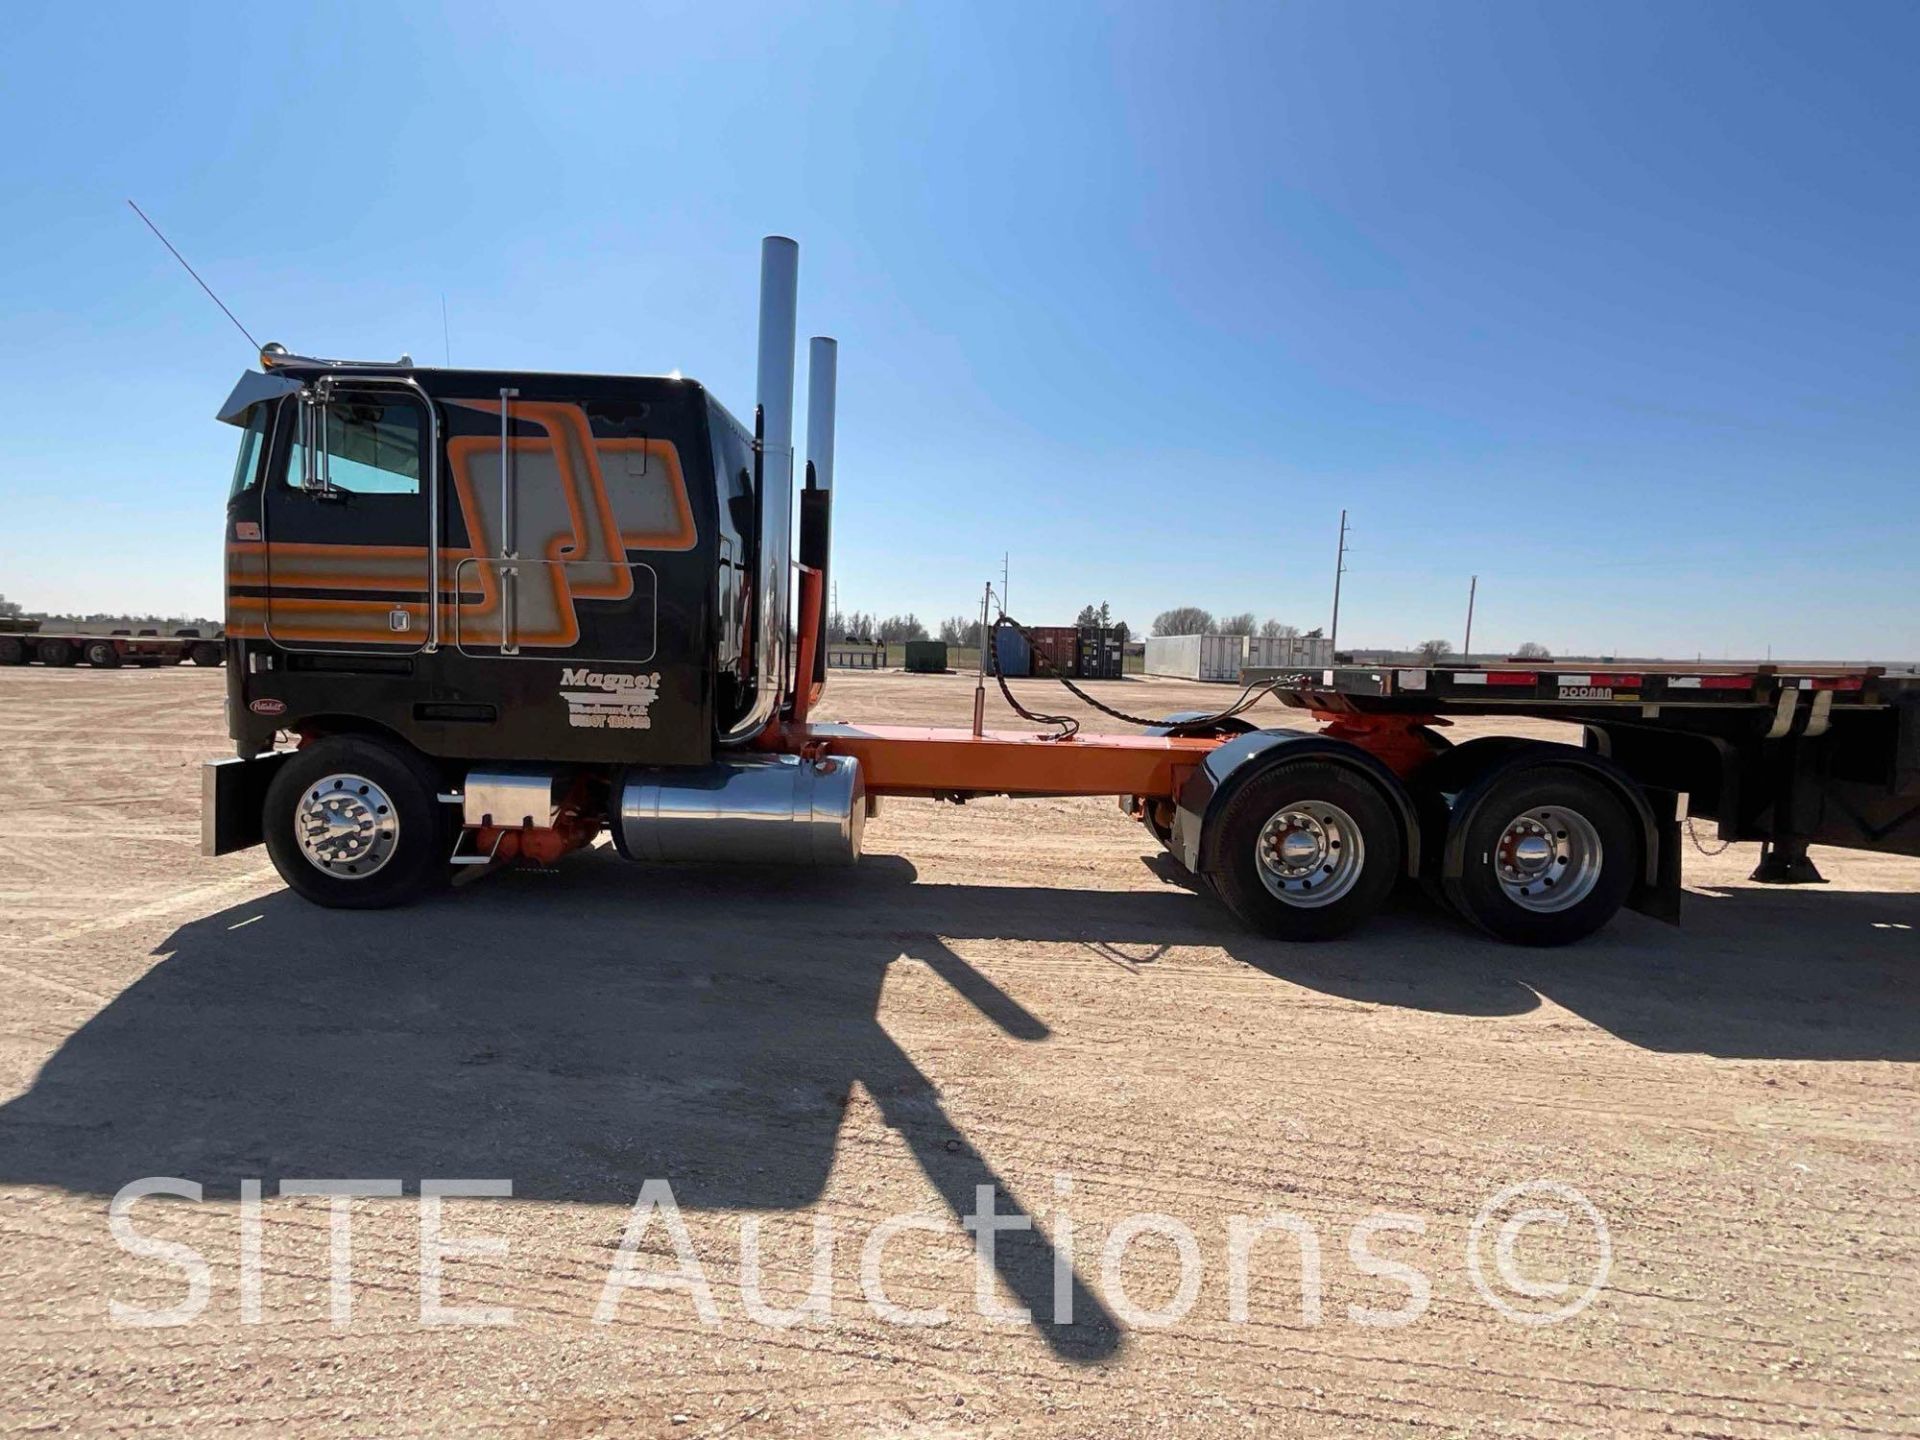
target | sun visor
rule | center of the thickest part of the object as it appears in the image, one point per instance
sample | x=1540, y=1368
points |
x=252, y=389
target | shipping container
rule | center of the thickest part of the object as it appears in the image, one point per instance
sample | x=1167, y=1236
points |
x=1056, y=649
x=927, y=657
x=1197, y=657
x=1012, y=656
x=1102, y=653
x=1289, y=652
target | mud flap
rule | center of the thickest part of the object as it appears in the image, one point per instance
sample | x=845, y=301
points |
x=232, y=795
x=1659, y=898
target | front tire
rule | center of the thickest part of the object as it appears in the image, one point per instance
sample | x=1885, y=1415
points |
x=1306, y=851
x=352, y=823
x=1550, y=857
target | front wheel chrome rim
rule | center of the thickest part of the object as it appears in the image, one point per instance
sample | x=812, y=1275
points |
x=346, y=826
x=1309, y=854
x=1548, y=859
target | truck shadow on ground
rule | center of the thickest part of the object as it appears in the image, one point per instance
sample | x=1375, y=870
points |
x=1762, y=973
x=584, y=1031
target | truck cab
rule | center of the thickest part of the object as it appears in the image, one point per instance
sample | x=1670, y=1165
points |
x=535, y=567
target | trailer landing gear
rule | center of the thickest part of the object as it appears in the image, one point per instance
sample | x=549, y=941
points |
x=1785, y=862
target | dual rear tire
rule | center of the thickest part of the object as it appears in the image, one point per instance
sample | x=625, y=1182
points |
x=1309, y=850
x=1548, y=856
x=1306, y=851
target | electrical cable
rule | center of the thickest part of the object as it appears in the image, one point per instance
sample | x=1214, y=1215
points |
x=1068, y=726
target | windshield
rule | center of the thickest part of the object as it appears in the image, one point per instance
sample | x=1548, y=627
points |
x=247, y=465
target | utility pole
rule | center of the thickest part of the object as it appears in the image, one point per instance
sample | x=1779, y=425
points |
x=1004, y=559
x=1466, y=645
x=1339, y=569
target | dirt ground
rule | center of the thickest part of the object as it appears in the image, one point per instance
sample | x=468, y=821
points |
x=1019, y=995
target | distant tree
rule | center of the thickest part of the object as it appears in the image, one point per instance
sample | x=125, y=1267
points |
x=1100, y=615
x=861, y=628
x=1275, y=630
x=1123, y=630
x=898, y=628
x=836, y=626
x=1241, y=624
x=1432, y=651
x=1183, y=620
x=1315, y=633
x=960, y=631
x=9, y=607
x=1532, y=650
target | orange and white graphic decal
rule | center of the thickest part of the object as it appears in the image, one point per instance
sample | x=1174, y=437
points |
x=581, y=502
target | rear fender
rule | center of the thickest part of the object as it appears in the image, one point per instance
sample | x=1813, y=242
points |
x=1244, y=758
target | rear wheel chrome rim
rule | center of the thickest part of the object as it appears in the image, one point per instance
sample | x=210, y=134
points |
x=346, y=826
x=1548, y=859
x=1309, y=854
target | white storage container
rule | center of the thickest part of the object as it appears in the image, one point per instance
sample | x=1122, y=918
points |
x=1197, y=657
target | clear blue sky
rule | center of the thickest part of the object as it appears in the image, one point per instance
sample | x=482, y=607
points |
x=1616, y=305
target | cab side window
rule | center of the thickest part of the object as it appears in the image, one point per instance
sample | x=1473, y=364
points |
x=373, y=448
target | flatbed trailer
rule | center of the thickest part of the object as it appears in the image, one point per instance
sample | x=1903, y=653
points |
x=1789, y=755
x=499, y=614
x=56, y=648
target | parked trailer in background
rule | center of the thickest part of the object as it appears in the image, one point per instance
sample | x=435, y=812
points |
x=1197, y=657
x=23, y=642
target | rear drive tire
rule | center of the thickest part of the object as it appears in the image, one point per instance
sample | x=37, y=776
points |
x=1306, y=851
x=206, y=652
x=102, y=654
x=1550, y=857
x=352, y=823
x=54, y=652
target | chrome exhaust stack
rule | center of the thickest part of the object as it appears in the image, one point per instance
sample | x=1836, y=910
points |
x=773, y=445
x=816, y=496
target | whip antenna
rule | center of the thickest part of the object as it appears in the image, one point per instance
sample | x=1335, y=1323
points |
x=196, y=275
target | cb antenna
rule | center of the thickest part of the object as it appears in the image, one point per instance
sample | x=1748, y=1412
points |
x=196, y=276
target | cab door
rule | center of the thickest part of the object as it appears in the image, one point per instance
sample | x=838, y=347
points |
x=346, y=521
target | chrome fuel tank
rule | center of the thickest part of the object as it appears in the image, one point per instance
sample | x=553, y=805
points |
x=759, y=810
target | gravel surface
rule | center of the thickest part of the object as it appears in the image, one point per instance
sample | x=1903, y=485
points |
x=1019, y=995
